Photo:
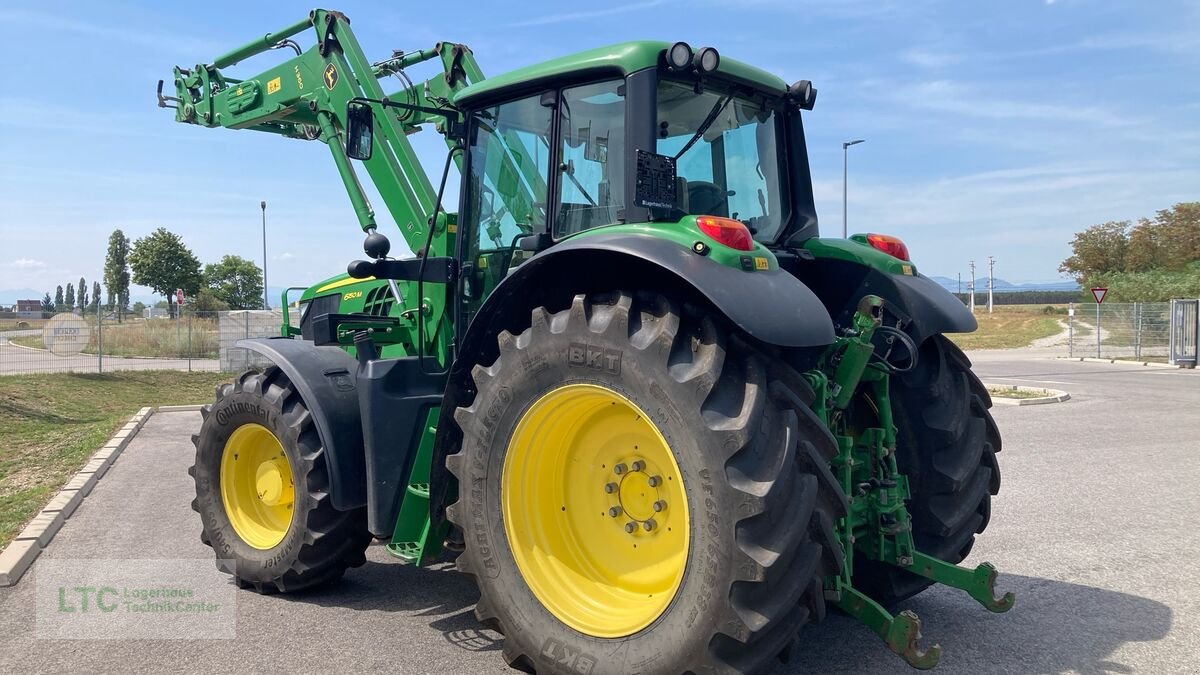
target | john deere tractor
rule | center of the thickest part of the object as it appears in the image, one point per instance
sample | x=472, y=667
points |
x=661, y=422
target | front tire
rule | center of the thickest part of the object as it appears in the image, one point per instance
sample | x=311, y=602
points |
x=262, y=490
x=622, y=388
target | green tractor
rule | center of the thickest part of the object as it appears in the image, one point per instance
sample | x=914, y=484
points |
x=662, y=423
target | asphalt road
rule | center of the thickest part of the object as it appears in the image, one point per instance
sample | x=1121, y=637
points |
x=1094, y=529
x=17, y=360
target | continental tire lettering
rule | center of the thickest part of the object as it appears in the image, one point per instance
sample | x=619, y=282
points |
x=583, y=355
x=228, y=411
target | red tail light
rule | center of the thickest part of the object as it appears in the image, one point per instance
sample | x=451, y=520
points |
x=726, y=231
x=889, y=245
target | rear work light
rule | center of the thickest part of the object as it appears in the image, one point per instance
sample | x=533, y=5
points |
x=889, y=245
x=726, y=231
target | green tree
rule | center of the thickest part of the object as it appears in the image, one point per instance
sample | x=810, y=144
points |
x=1144, y=251
x=69, y=298
x=116, y=272
x=139, y=308
x=162, y=262
x=236, y=282
x=1097, y=250
x=82, y=295
x=207, y=301
x=96, y=296
x=47, y=306
x=1179, y=231
x=58, y=299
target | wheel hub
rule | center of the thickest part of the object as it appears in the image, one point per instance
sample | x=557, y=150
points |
x=639, y=498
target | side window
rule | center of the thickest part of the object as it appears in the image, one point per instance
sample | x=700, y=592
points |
x=592, y=167
x=509, y=166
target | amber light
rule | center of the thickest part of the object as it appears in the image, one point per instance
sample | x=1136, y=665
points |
x=726, y=231
x=889, y=245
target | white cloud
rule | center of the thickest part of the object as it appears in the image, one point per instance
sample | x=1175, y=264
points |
x=26, y=264
x=285, y=256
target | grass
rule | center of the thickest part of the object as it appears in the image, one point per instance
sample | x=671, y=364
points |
x=150, y=337
x=1009, y=327
x=20, y=324
x=53, y=423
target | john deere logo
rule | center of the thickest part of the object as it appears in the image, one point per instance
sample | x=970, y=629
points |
x=331, y=76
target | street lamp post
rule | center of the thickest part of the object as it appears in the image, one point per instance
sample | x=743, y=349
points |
x=845, y=146
x=266, y=305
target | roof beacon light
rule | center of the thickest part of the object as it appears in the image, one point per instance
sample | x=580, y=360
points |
x=679, y=56
x=707, y=60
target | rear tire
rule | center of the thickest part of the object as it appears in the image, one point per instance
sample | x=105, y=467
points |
x=752, y=458
x=320, y=542
x=946, y=444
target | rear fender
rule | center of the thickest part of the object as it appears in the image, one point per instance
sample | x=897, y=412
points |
x=771, y=306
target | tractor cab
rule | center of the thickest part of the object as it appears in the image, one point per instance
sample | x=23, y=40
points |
x=636, y=133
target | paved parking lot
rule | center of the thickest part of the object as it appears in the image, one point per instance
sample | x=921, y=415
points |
x=1095, y=530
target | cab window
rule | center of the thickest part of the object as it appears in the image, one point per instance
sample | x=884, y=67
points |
x=592, y=162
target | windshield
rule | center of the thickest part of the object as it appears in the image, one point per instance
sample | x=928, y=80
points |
x=732, y=169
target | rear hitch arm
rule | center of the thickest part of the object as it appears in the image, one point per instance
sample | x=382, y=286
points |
x=979, y=583
x=900, y=633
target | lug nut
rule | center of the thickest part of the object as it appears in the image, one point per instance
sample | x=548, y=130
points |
x=649, y=525
x=610, y=488
x=620, y=469
x=614, y=511
x=660, y=505
x=630, y=527
x=655, y=481
x=638, y=465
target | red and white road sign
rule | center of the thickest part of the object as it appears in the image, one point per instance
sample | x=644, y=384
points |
x=1098, y=293
x=179, y=295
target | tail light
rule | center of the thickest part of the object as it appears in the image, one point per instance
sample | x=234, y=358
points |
x=889, y=245
x=726, y=231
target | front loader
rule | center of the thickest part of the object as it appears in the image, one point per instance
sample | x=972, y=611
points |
x=660, y=421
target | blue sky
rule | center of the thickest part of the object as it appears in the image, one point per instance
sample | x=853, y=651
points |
x=993, y=128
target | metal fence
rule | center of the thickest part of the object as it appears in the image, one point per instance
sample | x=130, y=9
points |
x=1113, y=330
x=194, y=341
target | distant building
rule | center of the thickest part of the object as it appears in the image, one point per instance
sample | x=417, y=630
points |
x=155, y=313
x=28, y=309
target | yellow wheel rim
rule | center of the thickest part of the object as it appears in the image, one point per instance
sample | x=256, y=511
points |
x=256, y=486
x=595, y=511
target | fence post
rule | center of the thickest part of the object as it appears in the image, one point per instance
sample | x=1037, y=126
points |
x=246, y=335
x=99, y=340
x=191, y=318
x=1137, y=336
x=1097, y=330
x=1070, y=329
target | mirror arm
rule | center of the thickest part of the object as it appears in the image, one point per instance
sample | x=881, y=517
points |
x=454, y=126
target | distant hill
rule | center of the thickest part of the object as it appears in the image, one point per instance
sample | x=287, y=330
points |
x=12, y=295
x=1003, y=286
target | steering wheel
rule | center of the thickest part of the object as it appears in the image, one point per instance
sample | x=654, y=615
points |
x=708, y=198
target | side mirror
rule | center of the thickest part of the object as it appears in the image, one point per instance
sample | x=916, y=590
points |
x=360, y=130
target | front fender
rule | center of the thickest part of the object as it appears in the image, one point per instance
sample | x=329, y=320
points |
x=325, y=379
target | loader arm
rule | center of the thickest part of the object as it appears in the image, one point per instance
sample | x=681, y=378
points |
x=306, y=96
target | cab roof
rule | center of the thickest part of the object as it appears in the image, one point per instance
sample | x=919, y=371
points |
x=619, y=59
